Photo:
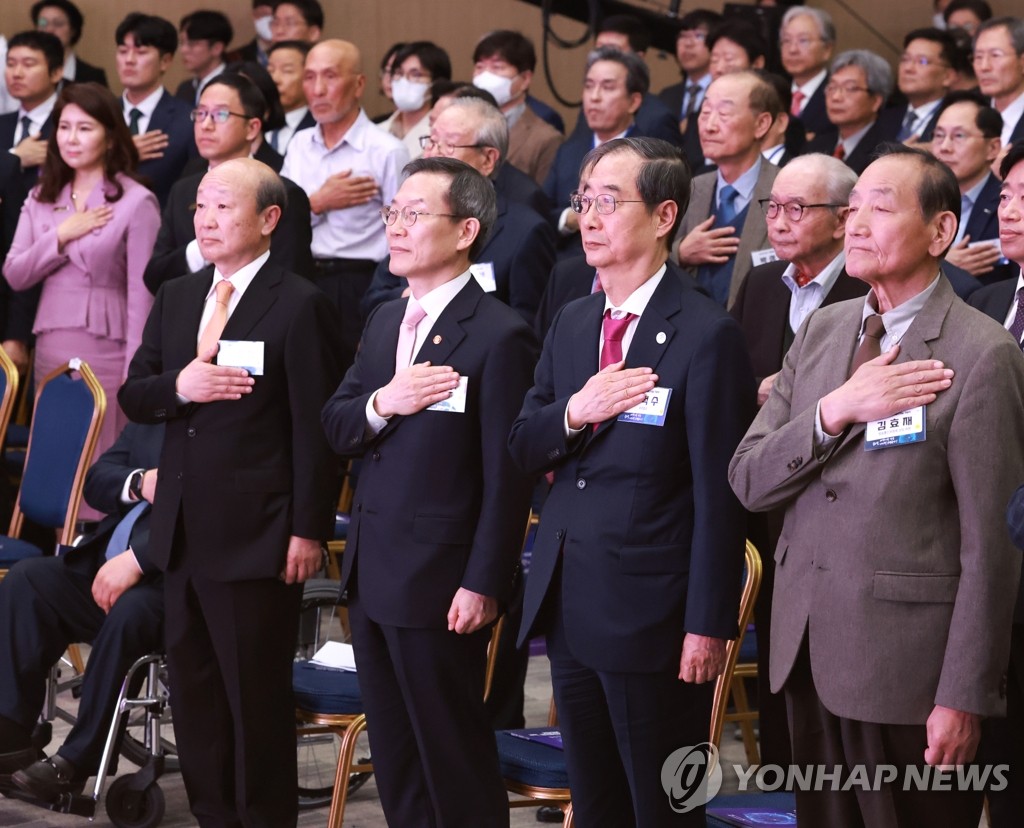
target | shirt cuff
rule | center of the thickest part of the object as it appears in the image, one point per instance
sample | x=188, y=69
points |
x=374, y=422
x=566, y=429
x=822, y=441
x=135, y=560
x=125, y=497
x=193, y=257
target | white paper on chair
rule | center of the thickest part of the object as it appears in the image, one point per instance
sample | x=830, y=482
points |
x=335, y=655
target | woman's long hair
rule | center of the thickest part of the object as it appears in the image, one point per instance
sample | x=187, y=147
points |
x=99, y=103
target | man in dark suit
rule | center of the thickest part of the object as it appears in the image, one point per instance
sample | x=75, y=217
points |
x=878, y=534
x=32, y=72
x=807, y=37
x=256, y=49
x=857, y=88
x=176, y=251
x=613, y=87
x=158, y=121
x=924, y=78
x=440, y=509
x=999, y=66
x=203, y=39
x=64, y=19
x=1002, y=740
x=519, y=249
x=105, y=591
x=285, y=64
x=246, y=494
x=637, y=564
x=967, y=141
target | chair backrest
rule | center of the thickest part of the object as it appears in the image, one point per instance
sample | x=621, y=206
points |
x=8, y=392
x=751, y=585
x=65, y=427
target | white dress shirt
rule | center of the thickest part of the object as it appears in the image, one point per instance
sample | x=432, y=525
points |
x=807, y=299
x=37, y=117
x=145, y=106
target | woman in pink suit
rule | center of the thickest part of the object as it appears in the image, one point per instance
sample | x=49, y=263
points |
x=85, y=234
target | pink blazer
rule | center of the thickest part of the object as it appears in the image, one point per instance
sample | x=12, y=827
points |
x=95, y=284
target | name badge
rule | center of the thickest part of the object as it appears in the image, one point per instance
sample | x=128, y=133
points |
x=456, y=403
x=236, y=353
x=760, y=257
x=899, y=429
x=483, y=272
x=651, y=411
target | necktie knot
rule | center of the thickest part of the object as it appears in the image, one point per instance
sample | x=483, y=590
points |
x=134, y=116
x=839, y=152
x=802, y=277
x=870, y=344
x=224, y=289
x=413, y=313
x=874, y=326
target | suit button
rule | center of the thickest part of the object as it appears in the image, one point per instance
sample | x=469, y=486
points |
x=554, y=453
x=581, y=484
x=795, y=464
x=559, y=534
x=831, y=496
x=180, y=475
x=376, y=455
x=191, y=431
x=359, y=507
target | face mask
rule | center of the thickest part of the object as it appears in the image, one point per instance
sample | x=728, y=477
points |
x=500, y=87
x=263, y=27
x=939, y=20
x=408, y=96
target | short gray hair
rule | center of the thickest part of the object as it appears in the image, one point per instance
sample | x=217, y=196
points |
x=492, y=130
x=638, y=77
x=469, y=195
x=1014, y=27
x=822, y=19
x=877, y=72
x=838, y=178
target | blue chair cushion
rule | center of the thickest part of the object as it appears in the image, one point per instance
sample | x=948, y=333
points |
x=13, y=550
x=531, y=763
x=750, y=809
x=321, y=690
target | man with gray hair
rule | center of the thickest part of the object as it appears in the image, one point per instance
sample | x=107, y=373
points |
x=999, y=67
x=614, y=86
x=858, y=87
x=440, y=511
x=519, y=250
x=807, y=37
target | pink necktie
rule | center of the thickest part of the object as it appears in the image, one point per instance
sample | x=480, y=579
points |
x=215, y=327
x=613, y=330
x=798, y=102
x=407, y=334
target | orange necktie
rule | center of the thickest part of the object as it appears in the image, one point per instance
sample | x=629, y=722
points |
x=215, y=327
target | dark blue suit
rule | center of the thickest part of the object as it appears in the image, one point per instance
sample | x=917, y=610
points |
x=8, y=129
x=520, y=248
x=984, y=224
x=172, y=117
x=640, y=542
x=46, y=604
x=564, y=178
x=653, y=119
x=439, y=506
x=815, y=116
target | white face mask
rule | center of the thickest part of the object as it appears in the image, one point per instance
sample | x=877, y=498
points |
x=497, y=85
x=407, y=95
x=262, y=25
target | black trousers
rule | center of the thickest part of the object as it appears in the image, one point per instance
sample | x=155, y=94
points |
x=345, y=281
x=618, y=730
x=1002, y=742
x=434, y=755
x=230, y=647
x=47, y=604
x=822, y=738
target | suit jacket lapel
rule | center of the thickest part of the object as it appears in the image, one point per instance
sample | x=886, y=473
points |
x=927, y=325
x=258, y=298
x=447, y=332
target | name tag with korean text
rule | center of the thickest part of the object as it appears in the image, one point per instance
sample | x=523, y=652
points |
x=760, y=257
x=456, y=403
x=899, y=429
x=651, y=411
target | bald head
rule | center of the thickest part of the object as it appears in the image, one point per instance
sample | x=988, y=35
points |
x=333, y=83
x=238, y=206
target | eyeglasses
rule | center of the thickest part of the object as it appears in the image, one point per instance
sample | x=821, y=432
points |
x=690, y=34
x=606, y=203
x=409, y=216
x=920, y=60
x=428, y=143
x=800, y=42
x=219, y=115
x=414, y=75
x=957, y=136
x=993, y=55
x=844, y=89
x=794, y=210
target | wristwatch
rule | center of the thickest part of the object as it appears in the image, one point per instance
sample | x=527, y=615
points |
x=135, y=484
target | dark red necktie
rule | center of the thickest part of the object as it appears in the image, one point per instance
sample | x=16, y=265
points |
x=612, y=331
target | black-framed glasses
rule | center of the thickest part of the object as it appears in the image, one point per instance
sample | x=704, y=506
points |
x=428, y=143
x=794, y=210
x=220, y=115
x=409, y=216
x=606, y=203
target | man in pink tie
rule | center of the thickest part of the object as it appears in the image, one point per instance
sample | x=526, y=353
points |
x=641, y=395
x=237, y=359
x=807, y=38
x=440, y=509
